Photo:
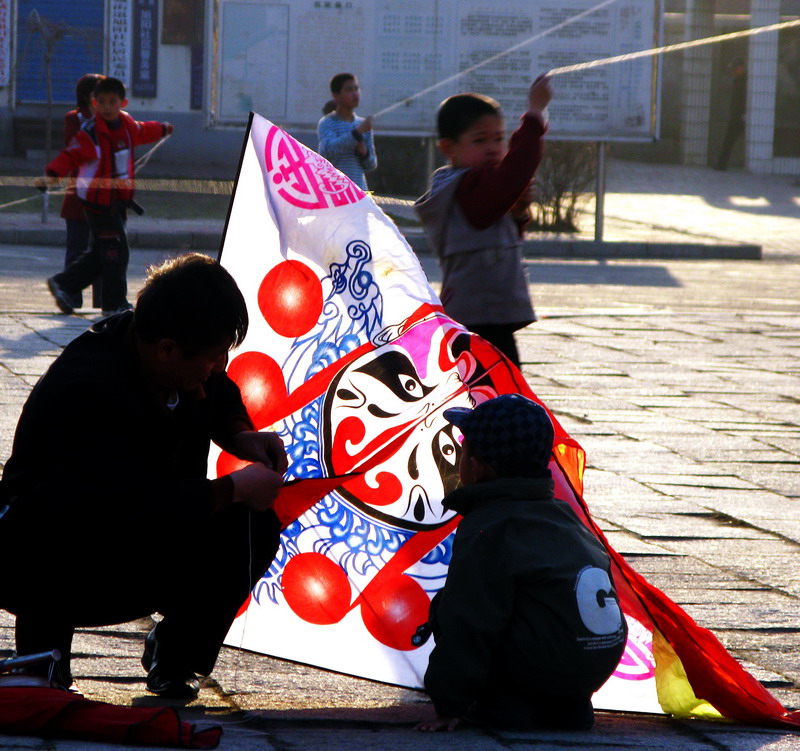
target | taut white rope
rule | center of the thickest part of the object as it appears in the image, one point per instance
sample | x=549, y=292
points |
x=673, y=47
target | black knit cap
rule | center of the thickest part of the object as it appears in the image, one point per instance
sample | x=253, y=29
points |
x=511, y=433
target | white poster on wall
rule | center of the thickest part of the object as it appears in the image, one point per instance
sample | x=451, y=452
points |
x=254, y=59
x=278, y=58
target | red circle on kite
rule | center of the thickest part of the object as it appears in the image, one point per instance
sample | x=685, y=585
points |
x=393, y=609
x=260, y=380
x=316, y=588
x=290, y=298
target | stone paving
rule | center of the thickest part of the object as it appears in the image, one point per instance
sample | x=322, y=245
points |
x=670, y=202
x=681, y=379
x=693, y=440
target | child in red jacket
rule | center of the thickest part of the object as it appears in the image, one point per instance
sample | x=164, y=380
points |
x=102, y=153
x=71, y=208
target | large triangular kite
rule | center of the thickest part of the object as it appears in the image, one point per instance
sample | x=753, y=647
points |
x=351, y=359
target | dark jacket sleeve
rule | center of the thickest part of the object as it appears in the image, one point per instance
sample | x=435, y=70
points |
x=487, y=193
x=124, y=461
x=229, y=415
x=470, y=616
x=87, y=453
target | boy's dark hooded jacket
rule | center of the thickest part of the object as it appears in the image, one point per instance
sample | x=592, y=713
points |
x=528, y=607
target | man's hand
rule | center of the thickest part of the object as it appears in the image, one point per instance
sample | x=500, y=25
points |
x=441, y=722
x=256, y=486
x=539, y=95
x=365, y=125
x=168, y=128
x=266, y=448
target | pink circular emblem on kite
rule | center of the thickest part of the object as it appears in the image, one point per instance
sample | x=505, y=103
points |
x=303, y=178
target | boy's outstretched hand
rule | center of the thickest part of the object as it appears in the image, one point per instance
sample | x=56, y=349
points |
x=441, y=722
x=539, y=95
x=168, y=128
x=45, y=182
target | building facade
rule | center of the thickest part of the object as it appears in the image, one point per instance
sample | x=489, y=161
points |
x=771, y=141
x=203, y=64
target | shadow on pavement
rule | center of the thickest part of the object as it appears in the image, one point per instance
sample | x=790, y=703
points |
x=599, y=272
x=30, y=343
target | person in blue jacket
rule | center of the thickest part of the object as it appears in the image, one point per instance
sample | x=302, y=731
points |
x=345, y=138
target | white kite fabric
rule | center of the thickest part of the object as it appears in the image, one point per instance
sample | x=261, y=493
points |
x=350, y=358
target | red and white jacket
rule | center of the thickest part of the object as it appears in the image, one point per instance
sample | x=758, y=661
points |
x=71, y=208
x=103, y=158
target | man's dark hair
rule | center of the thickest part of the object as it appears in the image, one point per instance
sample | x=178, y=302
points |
x=339, y=80
x=109, y=85
x=193, y=300
x=457, y=113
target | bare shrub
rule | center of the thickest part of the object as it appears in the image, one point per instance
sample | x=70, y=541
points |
x=563, y=182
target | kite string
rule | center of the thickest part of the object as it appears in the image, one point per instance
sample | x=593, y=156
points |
x=104, y=182
x=593, y=63
x=673, y=47
x=145, y=158
x=18, y=201
x=497, y=56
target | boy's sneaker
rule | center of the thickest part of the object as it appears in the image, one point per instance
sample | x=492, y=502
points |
x=60, y=295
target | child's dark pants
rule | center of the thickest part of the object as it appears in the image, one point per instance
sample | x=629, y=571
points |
x=107, y=258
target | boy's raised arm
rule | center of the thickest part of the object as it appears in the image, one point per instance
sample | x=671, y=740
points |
x=539, y=95
x=487, y=193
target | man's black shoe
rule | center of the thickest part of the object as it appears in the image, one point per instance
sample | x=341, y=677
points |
x=164, y=680
x=60, y=295
x=173, y=687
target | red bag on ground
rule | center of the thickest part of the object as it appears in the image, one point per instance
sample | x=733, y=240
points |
x=50, y=712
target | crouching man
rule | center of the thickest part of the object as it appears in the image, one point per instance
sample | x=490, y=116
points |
x=106, y=511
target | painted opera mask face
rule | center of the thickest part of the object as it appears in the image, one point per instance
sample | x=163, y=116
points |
x=388, y=405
